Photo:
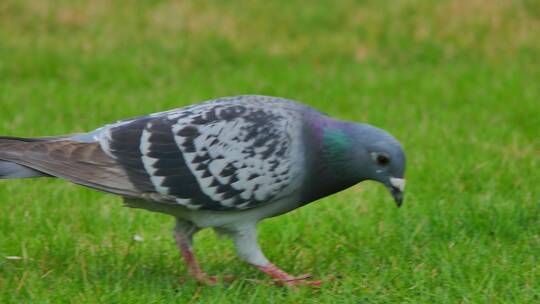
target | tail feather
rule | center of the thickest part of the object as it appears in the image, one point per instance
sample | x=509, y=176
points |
x=83, y=163
x=11, y=170
x=4, y=139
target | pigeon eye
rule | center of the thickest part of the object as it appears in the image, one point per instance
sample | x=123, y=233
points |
x=382, y=158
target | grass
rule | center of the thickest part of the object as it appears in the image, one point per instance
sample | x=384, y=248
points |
x=456, y=81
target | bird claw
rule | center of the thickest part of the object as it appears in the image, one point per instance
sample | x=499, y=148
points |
x=299, y=281
x=291, y=282
x=207, y=280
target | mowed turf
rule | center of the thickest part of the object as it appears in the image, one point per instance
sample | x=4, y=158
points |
x=457, y=82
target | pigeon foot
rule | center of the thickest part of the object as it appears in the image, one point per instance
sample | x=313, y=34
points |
x=280, y=277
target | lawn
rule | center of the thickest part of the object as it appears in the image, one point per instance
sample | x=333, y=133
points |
x=456, y=81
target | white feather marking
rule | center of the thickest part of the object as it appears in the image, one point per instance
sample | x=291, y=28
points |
x=174, y=116
x=241, y=206
x=228, y=202
x=145, y=142
x=193, y=207
x=216, y=166
x=205, y=182
x=224, y=180
x=183, y=201
x=104, y=139
x=149, y=162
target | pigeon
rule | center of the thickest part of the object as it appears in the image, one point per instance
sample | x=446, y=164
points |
x=225, y=164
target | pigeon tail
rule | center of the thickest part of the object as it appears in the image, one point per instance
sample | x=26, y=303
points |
x=11, y=170
x=79, y=162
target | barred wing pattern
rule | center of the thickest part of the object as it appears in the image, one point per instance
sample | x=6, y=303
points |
x=229, y=154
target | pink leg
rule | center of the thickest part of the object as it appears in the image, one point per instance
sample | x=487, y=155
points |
x=183, y=234
x=191, y=262
x=245, y=240
x=281, y=277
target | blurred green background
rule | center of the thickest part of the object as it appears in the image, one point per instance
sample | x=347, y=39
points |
x=456, y=81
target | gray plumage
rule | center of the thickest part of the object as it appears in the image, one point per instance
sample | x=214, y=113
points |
x=226, y=163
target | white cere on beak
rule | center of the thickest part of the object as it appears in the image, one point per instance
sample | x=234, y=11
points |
x=398, y=183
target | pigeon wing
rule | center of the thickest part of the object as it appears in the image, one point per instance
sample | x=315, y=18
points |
x=223, y=155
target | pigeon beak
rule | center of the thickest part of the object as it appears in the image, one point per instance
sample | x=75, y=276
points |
x=397, y=186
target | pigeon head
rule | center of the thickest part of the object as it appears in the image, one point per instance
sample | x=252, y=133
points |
x=386, y=159
x=362, y=152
